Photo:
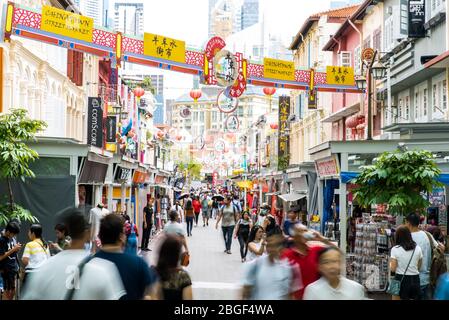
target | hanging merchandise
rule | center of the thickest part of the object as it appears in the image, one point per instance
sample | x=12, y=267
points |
x=232, y=123
x=226, y=104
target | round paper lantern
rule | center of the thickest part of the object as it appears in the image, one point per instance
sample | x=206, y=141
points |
x=274, y=126
x=269, y=91
x=195, y=94
x=139, y=92
x=179, y=138
x=351, y=122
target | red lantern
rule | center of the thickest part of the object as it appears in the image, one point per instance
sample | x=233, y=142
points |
x=351, y=122
x=179, y=138
x=269, y=91
x=274, y=126
x=139, y=92
x=195, y=94
x=160, y=134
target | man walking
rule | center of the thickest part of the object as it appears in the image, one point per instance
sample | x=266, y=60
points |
x=148, y=213
x=173, y=227
x=229, y=214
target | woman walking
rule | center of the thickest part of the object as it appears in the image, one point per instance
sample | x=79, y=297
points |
x=242, y=230
x=197, y=208
x=36, y=251
x=406, y=259
x=256, y=243
x=189, y=215
x=229, y=214
x=175, y=282
x=180, y=211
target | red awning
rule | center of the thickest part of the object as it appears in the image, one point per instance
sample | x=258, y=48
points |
x=441, y=61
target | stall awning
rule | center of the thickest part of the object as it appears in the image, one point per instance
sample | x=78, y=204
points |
x=441, y=61
x=290, y=197
x=346, y=177
x=343, y=113
x=272, y=193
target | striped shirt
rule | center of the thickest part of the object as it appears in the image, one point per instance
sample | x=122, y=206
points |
x=37, y=254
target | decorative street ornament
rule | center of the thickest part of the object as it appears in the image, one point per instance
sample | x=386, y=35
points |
x=185, y=112
x=269, y=91
x=239, y=86
x=200, y=143
x=138, y=92
x=225, y=68
x=274, y=126
x=227, y=104
x=232, y=123
x=220, y=145
x=214, y=46
x=195, y=94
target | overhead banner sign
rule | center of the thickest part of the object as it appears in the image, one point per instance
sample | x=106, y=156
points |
x=94, y=122
x=416, y=18
x=328, y=167
x=278, y=69
x=164, y=48
x=66, y=23
x=336, y=75
x=284, y=113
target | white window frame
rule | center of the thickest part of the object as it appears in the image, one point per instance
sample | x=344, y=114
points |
x=389, y=31
x=435, y=7
x=345, y=59
x=357, y=61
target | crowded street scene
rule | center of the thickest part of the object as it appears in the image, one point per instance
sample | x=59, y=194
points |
x=224, y=150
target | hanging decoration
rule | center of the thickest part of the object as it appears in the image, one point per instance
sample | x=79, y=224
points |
x=226, y=104
x=225, y=68
x=200, y=143
x=274, y=126
x=232, y=123
x=220, y=145
x=195, y=94
x=239, y=86
x=138, y=92
x=185, y=112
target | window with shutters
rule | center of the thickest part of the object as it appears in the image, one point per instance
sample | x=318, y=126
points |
x=75, y=67
x=389, y=32
x=401, y=114
x=434, y=97
x=417, y=115
x=345, y=59
x=444, y=95
x=424, y=105
x=367, y=43
x=377, y=39
x=357, y=61
x=407, y=108
x=436, y=6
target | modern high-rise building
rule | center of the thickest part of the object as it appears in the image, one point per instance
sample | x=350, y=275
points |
x=249, y=13
x=157, y=81
x=169, y=111
x=128, y=17
x=222, y=19
x=212, y=4
x=93, y=9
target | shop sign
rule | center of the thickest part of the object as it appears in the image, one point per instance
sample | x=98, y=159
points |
x=122, y=174
x=95, y=122
x=284, y=113
x=161, y=180
x=111, y=129
x=225, y=68
x=67, y=24
x=278, y=69
x=336, y=75
x=416, y=18
x=327, y=167
x=140, y=177
x=164, y=48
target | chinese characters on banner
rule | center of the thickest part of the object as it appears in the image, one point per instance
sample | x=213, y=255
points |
x=416, y=18
x=284, y=113
x=164, y=48
x=278, y=69
x=327, y=167
x=340, y=75
x=225, y=68
x=67, y=24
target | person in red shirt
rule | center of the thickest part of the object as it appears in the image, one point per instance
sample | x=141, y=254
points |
x=197, y=209
x=305, y=256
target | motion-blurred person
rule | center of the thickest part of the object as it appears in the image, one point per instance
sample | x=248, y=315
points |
x=175, y=281
x=165, y=203
x=148, y=217
x=190, y=215
x=36, y=251
x=292, y=219
x=442, y=290
x=174, y=228
x=9, y=265
x=270, y=226
x=215, y=208
x=62, y=240
x=237, y=203
x=139, y=280
x=72, y=274
x=157, y=211
x=197, y=209
x=256, y=243
x=242, y=230
x=131, y=233
x=269, y=277
x=263, y=212
x=205, y=210
x=95, y=215
x=180, y=211
x=229, y=215
x=332, y=285
x=305, y=256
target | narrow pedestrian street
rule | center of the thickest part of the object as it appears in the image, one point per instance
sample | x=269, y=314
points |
x=215, y=274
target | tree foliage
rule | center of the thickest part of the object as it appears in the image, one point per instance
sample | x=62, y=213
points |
x=193, y=169
x=16, y=128
x=399, y=179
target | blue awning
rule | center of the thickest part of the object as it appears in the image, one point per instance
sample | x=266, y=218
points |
x=347, y=176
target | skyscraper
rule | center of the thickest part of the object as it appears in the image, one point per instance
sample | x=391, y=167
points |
x=212, y=4
x=128, y=17
x=93, y=9
x=250, y=13
x=222, y=19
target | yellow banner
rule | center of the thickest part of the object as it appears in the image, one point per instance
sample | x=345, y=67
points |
x=340, y=75
x=165, y=48
x=278, y=69
x=67, y=24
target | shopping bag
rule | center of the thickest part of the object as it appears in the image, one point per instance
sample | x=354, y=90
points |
x=394, y=288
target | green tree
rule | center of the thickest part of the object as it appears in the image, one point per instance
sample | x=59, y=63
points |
x=193, y=169
x=399, y=179
x=16, y=128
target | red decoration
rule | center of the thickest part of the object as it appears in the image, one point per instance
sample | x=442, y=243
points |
x=269, y=91
x=160, y=134
x=351, y=122
x=274, y=126
x=179, y=138
x=139, y=92
x=195, y=94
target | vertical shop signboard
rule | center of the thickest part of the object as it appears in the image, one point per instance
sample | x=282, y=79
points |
x=111, y=129
x=95, y=122
x=416, y=18
x=284, y=113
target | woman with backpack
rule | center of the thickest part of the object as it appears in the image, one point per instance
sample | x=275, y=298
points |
x=242, y=230
x=405, y=261
x=36, y=251
x=189, y=216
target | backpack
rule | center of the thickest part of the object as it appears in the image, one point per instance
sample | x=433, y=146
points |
x=438, y=264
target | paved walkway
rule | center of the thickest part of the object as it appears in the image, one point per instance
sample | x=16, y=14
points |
x=215, y=274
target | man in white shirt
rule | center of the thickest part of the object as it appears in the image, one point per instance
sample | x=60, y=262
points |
x=423, y=240
x=95, y=216
x=60, y=275
x=268, y=277
x=173, y=227
x=332, y=285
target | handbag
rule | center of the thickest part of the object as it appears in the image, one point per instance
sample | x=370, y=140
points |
x=185, y=259
x=394, y=288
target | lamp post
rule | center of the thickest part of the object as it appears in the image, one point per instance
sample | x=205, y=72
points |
x=376, y=70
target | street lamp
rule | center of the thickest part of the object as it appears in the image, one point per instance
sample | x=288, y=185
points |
x=379, y=70
x=361, y=83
